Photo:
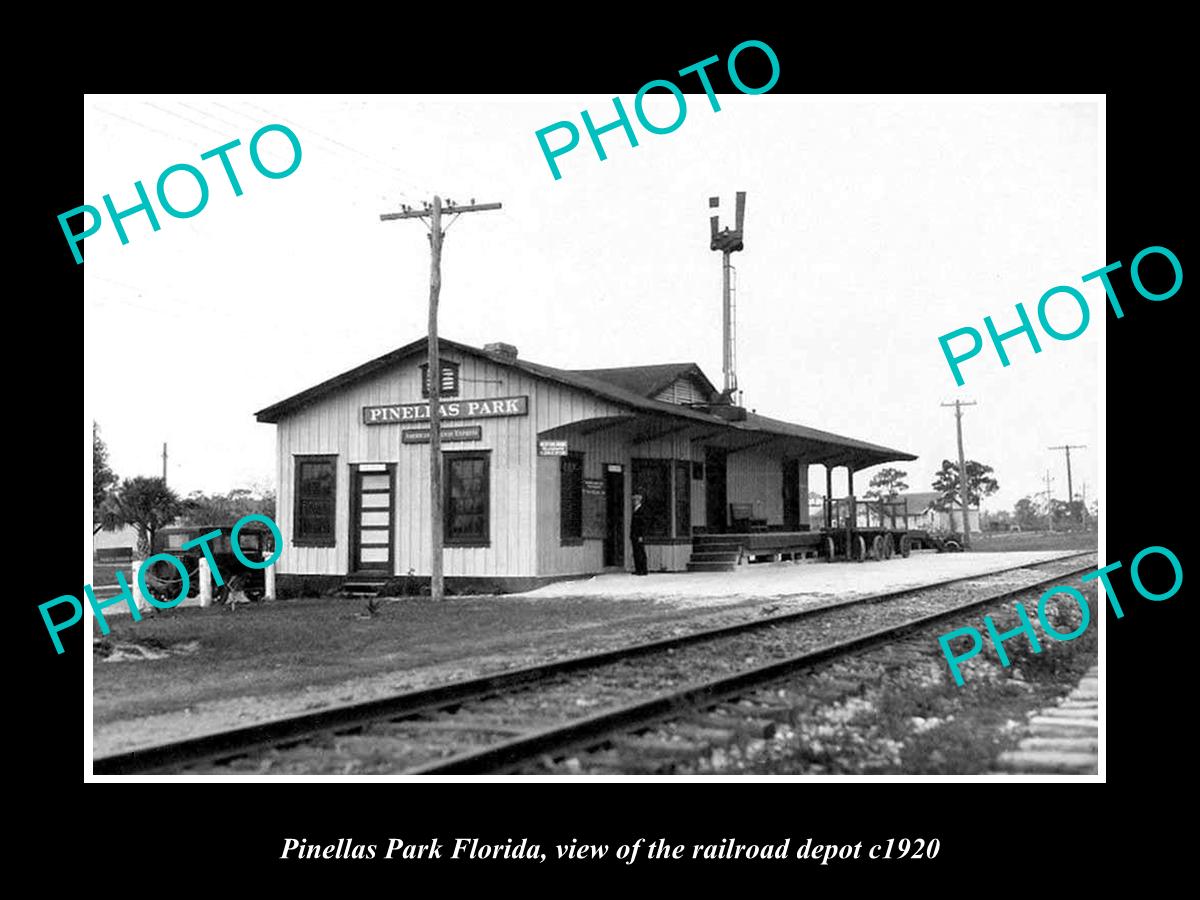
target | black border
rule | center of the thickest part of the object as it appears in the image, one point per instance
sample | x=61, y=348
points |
x=998, y=834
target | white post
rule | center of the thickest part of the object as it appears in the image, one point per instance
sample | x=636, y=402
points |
x=269, y=577
x=205, y=576
x=134, y=586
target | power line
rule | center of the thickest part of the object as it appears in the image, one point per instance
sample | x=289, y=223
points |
x=209, y=115
x=335, y=141
x=183, y=118
x=134, y=122
x=381, y=167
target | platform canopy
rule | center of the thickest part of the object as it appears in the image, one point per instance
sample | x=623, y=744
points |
x=756, y=432
x=709, y=423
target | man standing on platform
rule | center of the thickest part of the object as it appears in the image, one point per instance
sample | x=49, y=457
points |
x=637, y=535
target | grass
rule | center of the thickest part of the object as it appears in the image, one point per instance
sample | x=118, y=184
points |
x=104, y=574
x=1004, y=542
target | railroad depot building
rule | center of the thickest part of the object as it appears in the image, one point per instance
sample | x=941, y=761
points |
x=539, y=467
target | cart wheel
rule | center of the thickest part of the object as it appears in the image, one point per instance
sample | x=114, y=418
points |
x=877, y=547
x=830, y=550
x=953, y=546
x=860, y=548
x=905, y=546
x=889, y=548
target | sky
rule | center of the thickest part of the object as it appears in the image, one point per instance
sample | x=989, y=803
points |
x=873, y=226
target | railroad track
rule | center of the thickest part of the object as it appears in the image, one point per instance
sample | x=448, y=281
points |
x=533, y=716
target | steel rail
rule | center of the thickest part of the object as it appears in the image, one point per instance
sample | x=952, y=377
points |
x=582, y=734
x=293, y=729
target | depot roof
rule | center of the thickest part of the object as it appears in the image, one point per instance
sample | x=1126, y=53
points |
x=628, y=386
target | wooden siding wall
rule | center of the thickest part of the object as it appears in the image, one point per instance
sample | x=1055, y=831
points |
x=524, y=503
x=554, y=557
x=682, y=390
x=334, y=425
x=561, y=405
x=756, y=476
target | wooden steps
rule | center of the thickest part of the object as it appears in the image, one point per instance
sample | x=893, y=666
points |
x=714, y=553
x=361, y=587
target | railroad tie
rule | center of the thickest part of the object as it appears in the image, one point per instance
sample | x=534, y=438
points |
x=1063, y=738
x=703, y=734
x=746, y=726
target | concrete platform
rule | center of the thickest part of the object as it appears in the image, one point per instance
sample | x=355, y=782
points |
x=806, y=579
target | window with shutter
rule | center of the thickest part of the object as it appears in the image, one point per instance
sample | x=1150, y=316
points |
x=449, y=385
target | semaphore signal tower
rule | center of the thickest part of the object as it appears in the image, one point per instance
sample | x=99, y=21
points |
x=728, y=242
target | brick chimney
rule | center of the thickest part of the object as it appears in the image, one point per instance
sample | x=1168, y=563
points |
x=504, y=351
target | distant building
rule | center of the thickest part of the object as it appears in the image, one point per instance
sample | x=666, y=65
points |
x=122, y=538
x=923, y=515
x=116, y=546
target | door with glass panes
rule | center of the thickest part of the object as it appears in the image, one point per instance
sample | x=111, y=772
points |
x=372, y=517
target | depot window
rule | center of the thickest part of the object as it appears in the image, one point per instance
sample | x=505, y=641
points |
x=571, y=500
x=652, y=479
x=449, y=385
x=316, y=501
x=467, y=502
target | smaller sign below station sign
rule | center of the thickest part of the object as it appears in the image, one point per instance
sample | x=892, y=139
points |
x=595, y=511
x=552, y=448
x=449, y=434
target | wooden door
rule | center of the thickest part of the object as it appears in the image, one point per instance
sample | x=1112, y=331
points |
x=372, y=518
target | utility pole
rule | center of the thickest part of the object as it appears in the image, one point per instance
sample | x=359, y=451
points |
x=164, y=463
x=436, y=235
x=1070, y=488
x=962, y=470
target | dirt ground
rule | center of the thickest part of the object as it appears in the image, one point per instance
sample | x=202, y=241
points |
x=189, y=671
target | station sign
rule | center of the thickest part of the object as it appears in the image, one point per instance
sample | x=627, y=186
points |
x=450, y=409
x=552, y=448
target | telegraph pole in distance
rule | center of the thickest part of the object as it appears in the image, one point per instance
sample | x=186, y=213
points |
x=164, y=463
x=1070, y=487
x=436, y=236
x=962, y=470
